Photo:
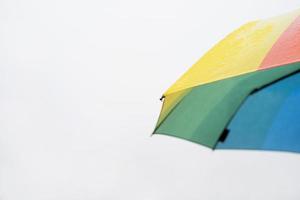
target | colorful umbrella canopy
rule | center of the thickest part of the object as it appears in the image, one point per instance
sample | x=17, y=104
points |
x=243, y=93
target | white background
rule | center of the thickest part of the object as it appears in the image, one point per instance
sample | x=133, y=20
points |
x=80, y=83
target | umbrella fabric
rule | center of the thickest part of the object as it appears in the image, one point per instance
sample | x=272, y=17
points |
x=213, y=94
x=271, y=117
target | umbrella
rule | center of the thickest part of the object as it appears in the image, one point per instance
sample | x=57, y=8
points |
x=243, y=93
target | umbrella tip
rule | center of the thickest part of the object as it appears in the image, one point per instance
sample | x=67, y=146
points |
x=162, y=97
x=224, y=135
